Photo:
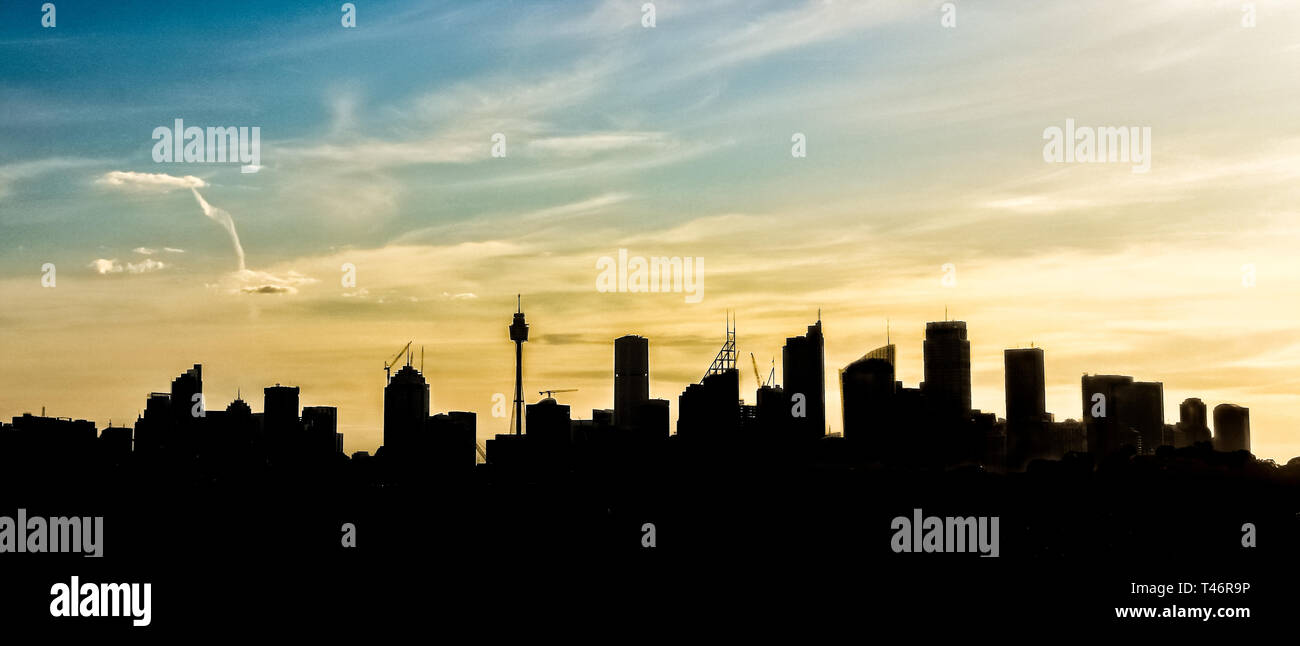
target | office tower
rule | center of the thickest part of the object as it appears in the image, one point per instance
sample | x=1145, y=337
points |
x=867, y=396
x=1101, y=395
x=183, y=400
x=650, y=420
x=320, y=427
x=1142, y=409
x=1026, y=394
x=631, y=377
x=280, y=410
x=445, y=444
x=406, y=405
x=710, y=410
x=153, y=426
x=947, y=370
x=1231, y=428
x=803, y=371
x=549, y=423
x=1193, y=421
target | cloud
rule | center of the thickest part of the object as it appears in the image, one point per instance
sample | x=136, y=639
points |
x=155, y=182
x=105, y=266
x=147, y=251
x=248, y=281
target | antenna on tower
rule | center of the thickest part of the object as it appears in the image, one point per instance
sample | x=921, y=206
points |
x=421, y=359
x=886, y=331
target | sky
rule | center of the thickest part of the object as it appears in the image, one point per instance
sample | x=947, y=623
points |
x=923, y=189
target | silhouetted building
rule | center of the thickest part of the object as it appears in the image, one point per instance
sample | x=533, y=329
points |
x=867, y=389
x=549, y=422
x=446, y=442
x=1193, y=422
x=1106, y=429
x=947, y=370
x=183, y=400
x=320, y=430
x=1231, y=428
x=1027, y=417
x=803, y=372
x=711, y=408
x=631, y=376
x=406, y=406
x=153, y=426
x=115, y=443
x=1142, y=409
x=280, y=409
x=650, y=420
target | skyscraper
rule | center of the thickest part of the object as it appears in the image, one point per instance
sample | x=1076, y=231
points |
x=280, y=409
x=1231, y=428
x=631, y=377
x=1193, y=421
x=867, y=395
x=803, y=372
x=947, y=370
x=1101, y=395
x=183, y=401
x=406, y=405
x=1026, y=393
x=320, y=424
x=1142, y=409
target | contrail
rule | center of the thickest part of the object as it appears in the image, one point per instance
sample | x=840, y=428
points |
x=223, y=218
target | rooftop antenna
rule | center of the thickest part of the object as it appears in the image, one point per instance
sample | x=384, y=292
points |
x=945, y=312
x=886, y=331
x=421, y=359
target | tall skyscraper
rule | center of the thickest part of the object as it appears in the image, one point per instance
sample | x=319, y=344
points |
x=1142, y=409
x=947, y=370
x=1231, y=428
x=710, y=410
x=406, y=405
x=1193, y=421
x=184, y=388
x=280, y=409
x=1026, y=393
x=803, y=371
x=1101, y=404
x=631, y=377
x=320, y=424
x=867, y=395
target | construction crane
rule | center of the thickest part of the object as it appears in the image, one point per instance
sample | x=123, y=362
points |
x=388, y=365
x=478, y=448
x=548, y=393
x=758, y=380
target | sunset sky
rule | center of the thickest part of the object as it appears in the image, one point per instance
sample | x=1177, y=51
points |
x=924, y=148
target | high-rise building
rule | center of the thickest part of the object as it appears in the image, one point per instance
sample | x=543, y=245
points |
x=183, y=401
x=631, y=377
x=1101, y=419
x=867, y=389
x=1231, y=428
x=320, y=426
x=280, y=409
x=406, y=406
x=1193, y=422
x=1142, y=409
x=549, y=422
x=803, y=372
x=710, y=410
x=947, y=370
x=1027, y=418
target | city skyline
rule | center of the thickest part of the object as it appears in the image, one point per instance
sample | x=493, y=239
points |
x=942, y=403
x=924, y=186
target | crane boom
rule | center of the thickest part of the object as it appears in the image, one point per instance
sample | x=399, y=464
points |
x=757, y=379
x=388, y=365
